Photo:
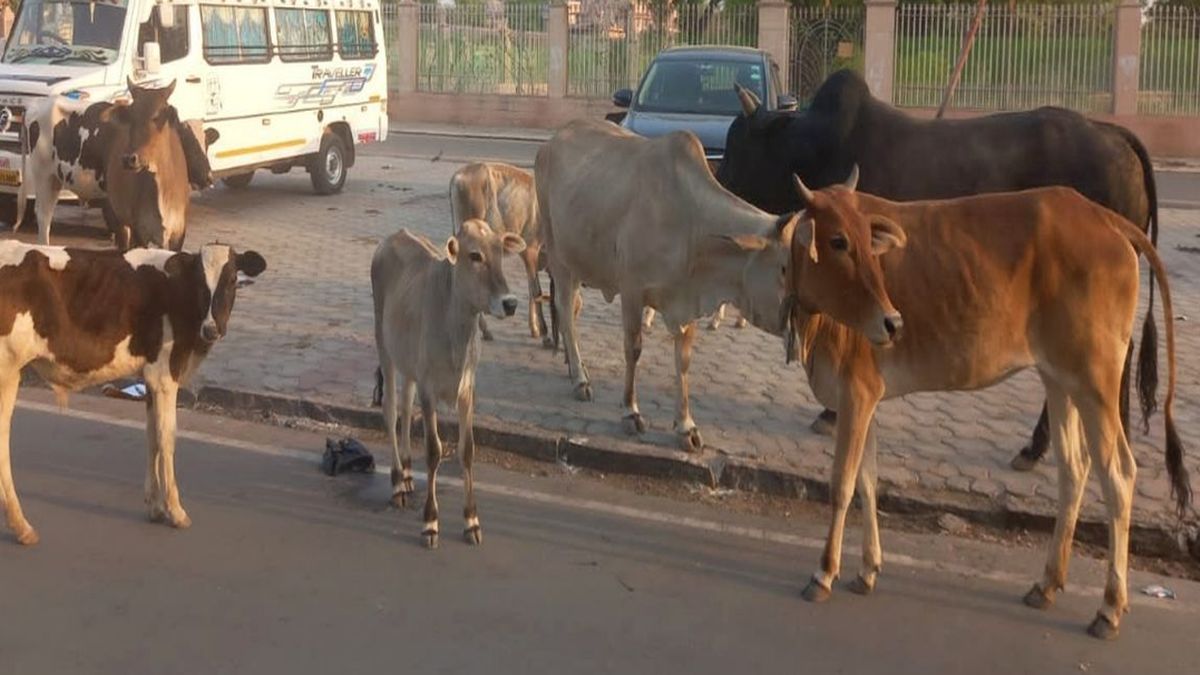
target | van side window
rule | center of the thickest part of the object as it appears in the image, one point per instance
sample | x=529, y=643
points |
x=172, y=41
x=356, y=35
x=235, y=34
x=303, y=34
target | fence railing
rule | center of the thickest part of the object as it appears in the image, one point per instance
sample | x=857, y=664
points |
x=1031, y=56
x=822, y=41
x=608, y=48
x=483, y=49
x=1170, y=62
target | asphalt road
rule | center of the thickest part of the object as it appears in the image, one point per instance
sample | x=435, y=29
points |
x=1177, y=189
x=286, y=570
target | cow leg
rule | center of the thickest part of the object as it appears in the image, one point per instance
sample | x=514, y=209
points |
x=43, y=207
x=1073, y=465
x=685, y=426
x=631, y=323
x=826, y=423
x=648, y=319
x=872, y=552
x=483, y=329
x=1029, y=456
x=433, y=457
x=717, y=317
x=402, y=476
x=1117, y=468
x=856, y=410
x=122, y=233
x=20, y=527
x=472, y=531
x=537, y=320
x=165, y=393
x=153, y=489
x=566, y=290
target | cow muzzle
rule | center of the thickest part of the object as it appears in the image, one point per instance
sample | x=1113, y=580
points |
x=209, y=332
x=504, y=306
x=132, y=162
x=890, y=328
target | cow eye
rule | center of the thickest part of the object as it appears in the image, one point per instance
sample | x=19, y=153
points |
x=839, y=243
x=475, y=256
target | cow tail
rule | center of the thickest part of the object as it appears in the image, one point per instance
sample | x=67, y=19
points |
x=553, y=313
x=1180, y=485
x=377, y=394
x=1147, y=373
x=23, y=188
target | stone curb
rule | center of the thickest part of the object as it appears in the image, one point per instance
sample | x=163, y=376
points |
x=711, y=469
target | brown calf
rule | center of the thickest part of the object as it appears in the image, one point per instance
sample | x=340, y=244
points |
x=987, y=286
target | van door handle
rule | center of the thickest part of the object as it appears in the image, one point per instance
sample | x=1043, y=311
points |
x=193, y=79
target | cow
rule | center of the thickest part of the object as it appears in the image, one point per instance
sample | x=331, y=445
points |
x=983, y=286
x=79, y=317
x=903, y=158
x=645, y=219
x=427, y=308
x=137, y=157
x=503, y=196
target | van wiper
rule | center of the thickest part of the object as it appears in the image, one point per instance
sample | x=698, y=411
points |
x=85, y=57
x=20, y=57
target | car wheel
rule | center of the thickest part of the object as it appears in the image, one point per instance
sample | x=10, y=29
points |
x=328, y=167
x=238, y=181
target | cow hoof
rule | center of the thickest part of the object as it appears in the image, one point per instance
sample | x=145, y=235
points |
x=28, y=537
x=156, y=514
x=740, y=323
x=488, y=337
x=860, y=586
x=1038, y=598
x=547, y=343
x=822, y=426
x=634, y=424
x=473, y=535
x=815, y=592
x=180, y=522
x=400, y=497
x=1102, y=628
x=691, y=441
x=429, y=539
x=583, y=391
x=1022, y=462
x=714, y=324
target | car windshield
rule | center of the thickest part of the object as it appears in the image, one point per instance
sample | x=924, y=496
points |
x=702, y=87
x=68, y=32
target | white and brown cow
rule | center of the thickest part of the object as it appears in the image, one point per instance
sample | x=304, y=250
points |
x=986, y=286
x=427, y=308
x=645, y=219
x=80, y=317
x=136, y=157
x=503, y=196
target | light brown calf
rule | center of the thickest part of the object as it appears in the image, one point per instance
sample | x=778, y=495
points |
x=986, y=286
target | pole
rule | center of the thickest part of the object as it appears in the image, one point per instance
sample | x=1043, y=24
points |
x=962, y=57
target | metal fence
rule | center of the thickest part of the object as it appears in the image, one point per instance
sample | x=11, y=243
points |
x=608, y=48
x=822, y=41
x=484, y=49
x=1024, y=57
x=1170, y=77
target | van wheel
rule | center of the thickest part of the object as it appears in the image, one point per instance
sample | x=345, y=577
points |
x=328, y=167
x=239, y=181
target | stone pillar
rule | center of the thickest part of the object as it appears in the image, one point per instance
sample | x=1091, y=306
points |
x=1127, y=57
x=408, y=36
x=880, y=48
x=556, y=39
x=774, y=33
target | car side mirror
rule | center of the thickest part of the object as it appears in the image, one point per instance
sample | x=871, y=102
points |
x=787, y=102
x=623, y=98
x=151, y=58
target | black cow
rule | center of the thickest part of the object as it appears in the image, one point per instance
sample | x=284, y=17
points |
x=904, y=158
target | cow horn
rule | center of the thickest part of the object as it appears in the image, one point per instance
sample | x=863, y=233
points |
x=749, y=101
x=852, y=180
x=806, y=195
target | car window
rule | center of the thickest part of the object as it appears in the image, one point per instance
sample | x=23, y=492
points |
x=698, y=87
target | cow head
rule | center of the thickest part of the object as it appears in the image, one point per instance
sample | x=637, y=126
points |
x=834, y=268
x=148, y=119
x=476, y=252
x=765, y=148
x=760, y=263
x=212, y=275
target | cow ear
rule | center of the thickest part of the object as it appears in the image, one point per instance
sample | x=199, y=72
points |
x=210, y=136
x=176, y=264
x=513, y=243
x=129, y=83
x=805, y=234
x=452, y=250
x=251, y=263
x=170, y=89
x=744, y=242
x=885, y=235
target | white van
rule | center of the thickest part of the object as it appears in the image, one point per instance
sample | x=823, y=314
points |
x=286, y=83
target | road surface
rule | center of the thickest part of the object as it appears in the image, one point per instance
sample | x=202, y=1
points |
x=287, y=570
x=1176, y=189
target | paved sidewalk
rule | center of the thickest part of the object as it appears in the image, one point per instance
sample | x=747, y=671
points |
x=305, y=330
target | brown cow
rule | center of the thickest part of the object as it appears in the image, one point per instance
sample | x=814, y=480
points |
x=81, y=317
x=987, y=286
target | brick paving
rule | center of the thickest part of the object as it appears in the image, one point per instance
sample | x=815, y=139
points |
x=305, y=330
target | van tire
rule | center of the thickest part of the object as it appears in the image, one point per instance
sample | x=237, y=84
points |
x=239, y=181
x=328, y=166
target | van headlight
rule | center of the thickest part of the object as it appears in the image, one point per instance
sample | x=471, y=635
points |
x=77, y=95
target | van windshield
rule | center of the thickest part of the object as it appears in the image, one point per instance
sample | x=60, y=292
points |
x=67, y=32
x=699, y=86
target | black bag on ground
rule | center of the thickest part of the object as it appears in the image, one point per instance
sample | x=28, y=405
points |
x=346, y=455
